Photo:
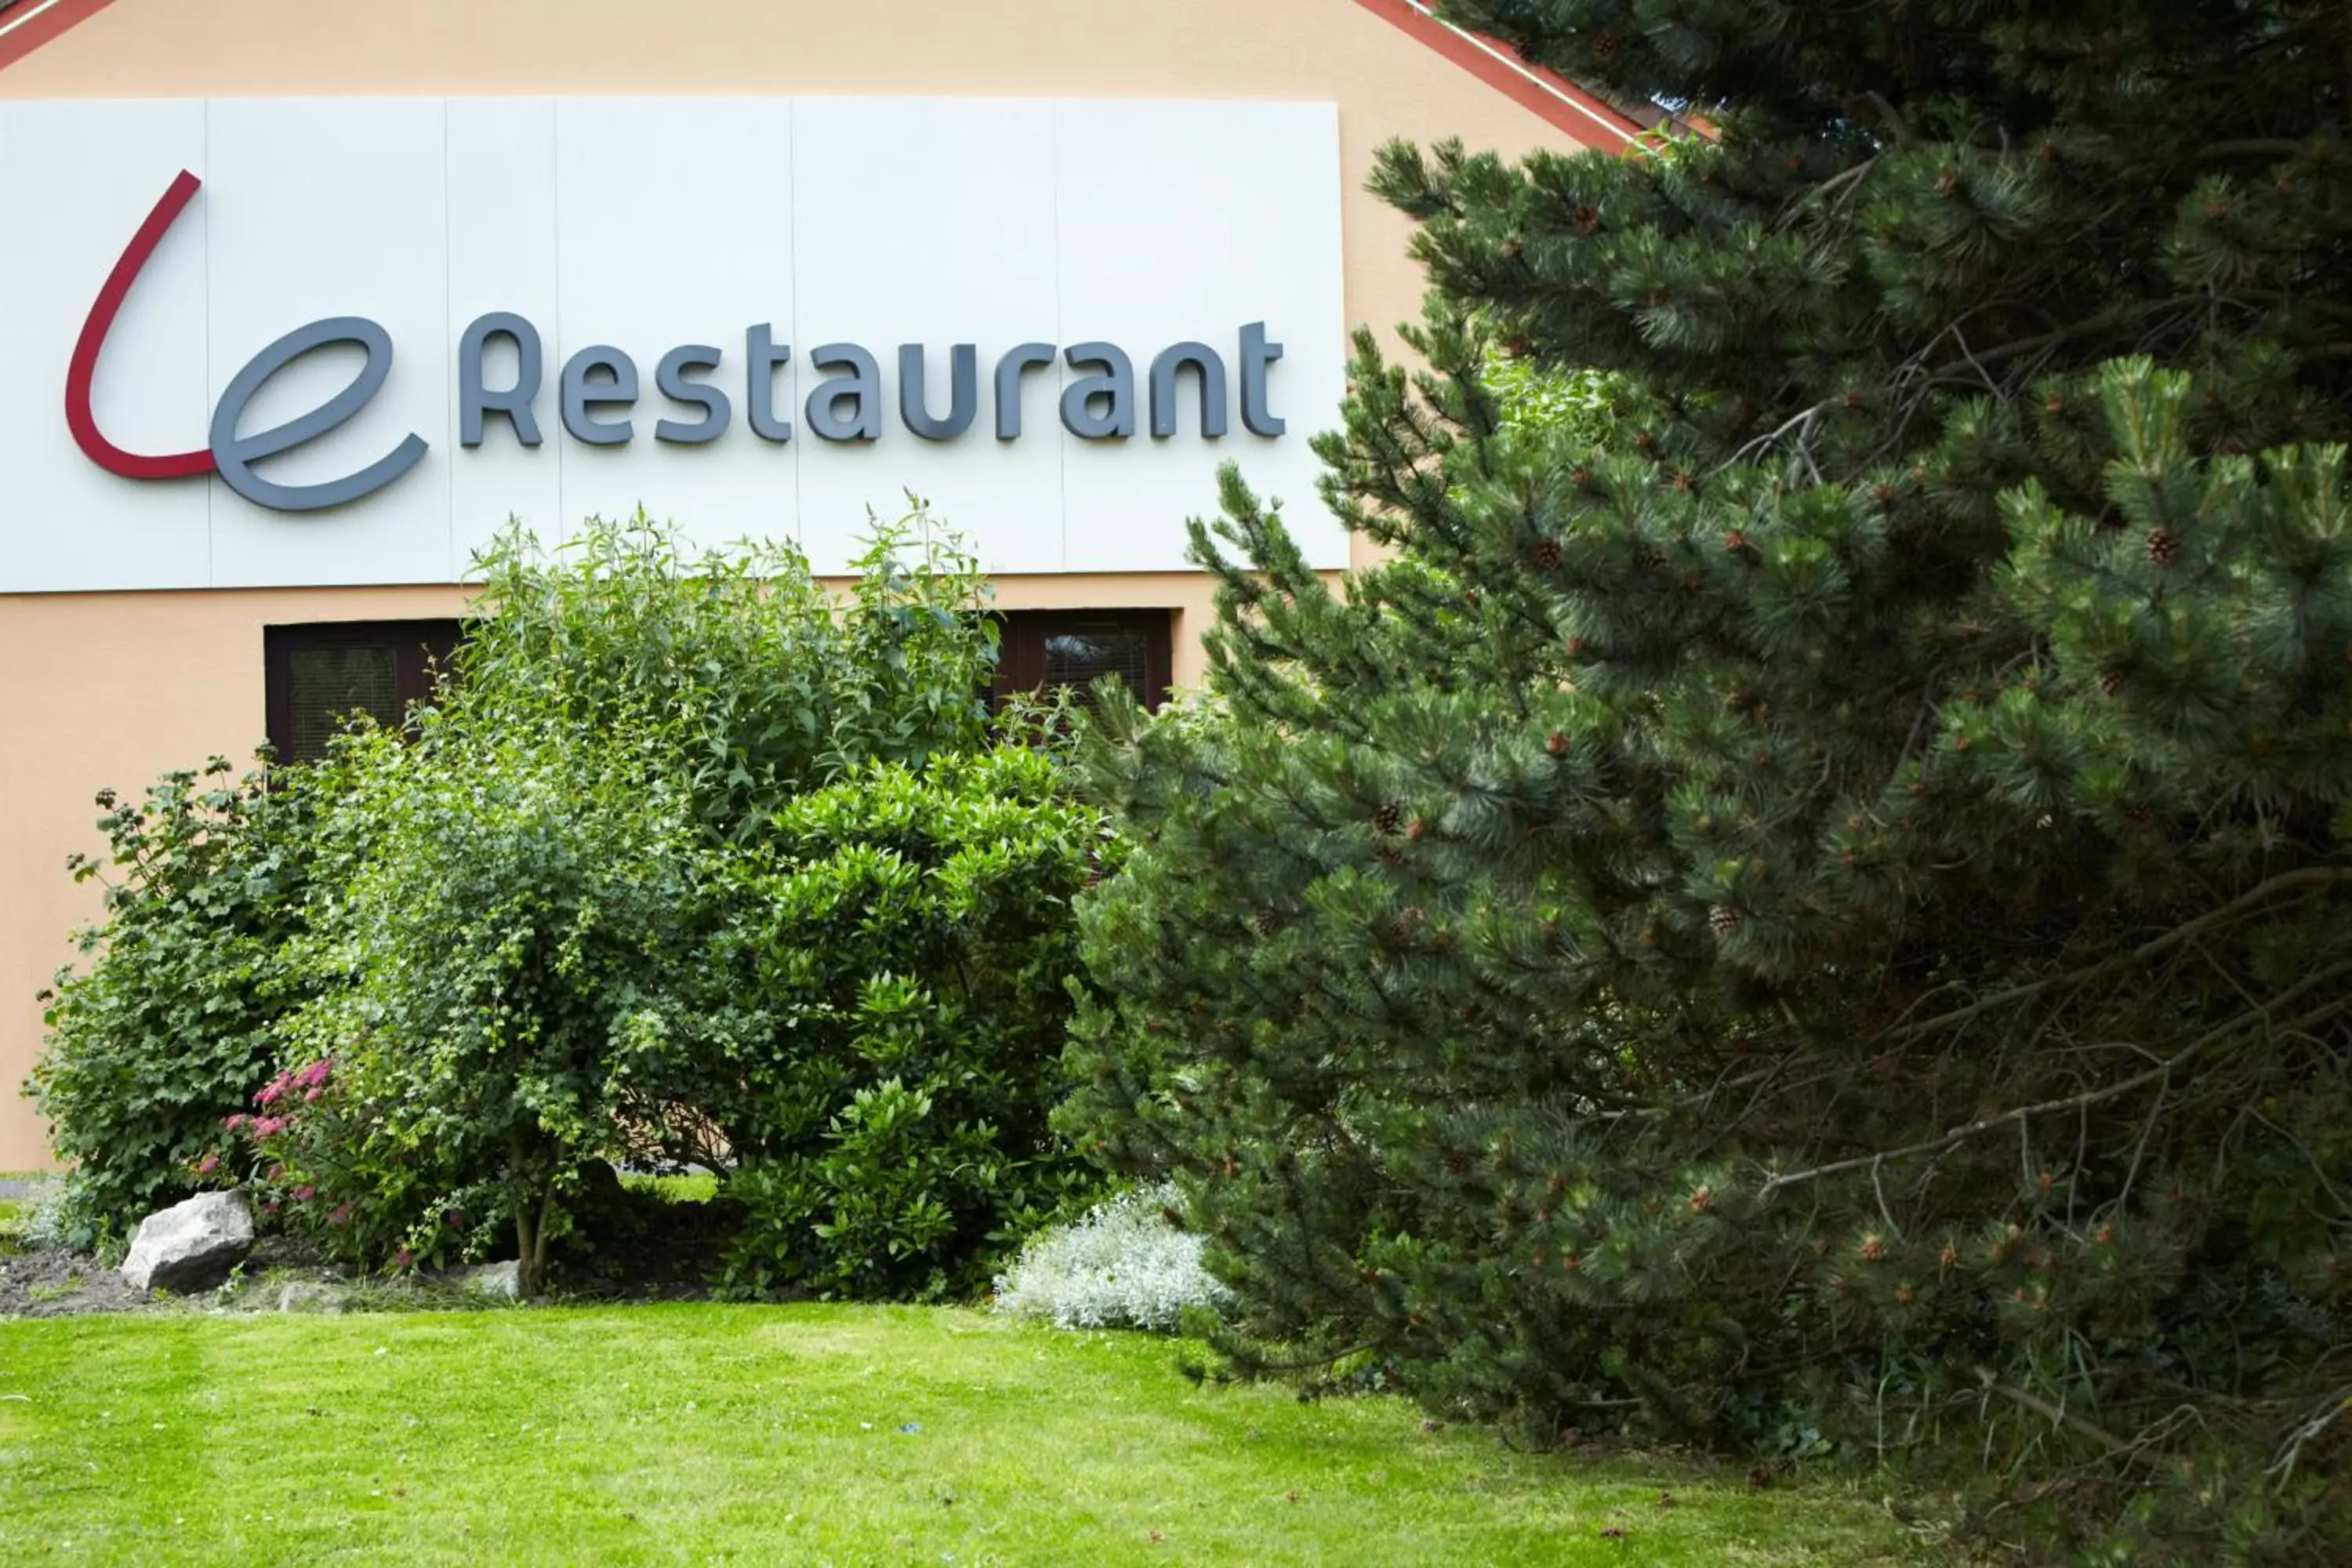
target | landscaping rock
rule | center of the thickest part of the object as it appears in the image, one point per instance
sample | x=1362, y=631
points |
x=503, y=1280
x=190, y=1246
x=310, y=1298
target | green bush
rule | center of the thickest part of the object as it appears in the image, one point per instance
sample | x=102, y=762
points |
x=491, y=974
x=882, y=1004
x=776, y=687
x=692, y=860
x=167, y=1030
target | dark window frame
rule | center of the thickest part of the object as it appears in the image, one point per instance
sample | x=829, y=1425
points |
x=417, y=646
x=1023, y=635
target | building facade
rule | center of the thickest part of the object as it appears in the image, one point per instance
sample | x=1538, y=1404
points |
x=307, y=298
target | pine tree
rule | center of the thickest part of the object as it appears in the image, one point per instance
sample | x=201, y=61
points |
x=1818, y=899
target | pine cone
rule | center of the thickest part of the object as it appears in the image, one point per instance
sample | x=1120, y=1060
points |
x=2163, y=548
x=1264, y=922
x=1389, y=820
x=1514, y=249
x=1723, y=920
x=1546, y=555
x=2111, y=682
x=1586, y=219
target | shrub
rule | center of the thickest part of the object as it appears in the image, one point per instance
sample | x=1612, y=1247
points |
x=1125, y=1264
x=688, y=862
x=774, y=685
x=498, y=964
x=168, y=1028
x=882, y=1006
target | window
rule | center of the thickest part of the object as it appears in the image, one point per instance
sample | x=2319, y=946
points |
x=1077, y=647
x=316, y=676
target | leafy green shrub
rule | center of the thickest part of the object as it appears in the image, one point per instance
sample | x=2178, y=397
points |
x=776, y=687
x=167, y=1030
x=883, y=1004
x=688, y=862
x=508, y=996
x=498, y=962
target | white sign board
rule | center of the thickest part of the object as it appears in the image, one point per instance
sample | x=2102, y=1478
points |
x=316, y=365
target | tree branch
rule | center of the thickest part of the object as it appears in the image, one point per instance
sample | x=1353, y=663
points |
x=2161, y=1072
x=2057, y=1417
x=2309, y=876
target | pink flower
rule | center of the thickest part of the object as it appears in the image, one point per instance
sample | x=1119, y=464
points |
x=268, y=1126
x=209, y=1164
x=403, y=1259
x=269, y=1208
x=304, y=1195
x=343, y=1216
x=234, y=1123
x=317, y=1073
x=276, y=1173
x=268, y=1096
x=311, y=1095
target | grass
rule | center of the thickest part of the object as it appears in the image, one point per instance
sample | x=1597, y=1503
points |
x=800, y=1434
x=700, y=1187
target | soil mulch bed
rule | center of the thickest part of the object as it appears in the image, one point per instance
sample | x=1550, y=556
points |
x=55, y=1283
x=65, y=1285
x=650, y=1262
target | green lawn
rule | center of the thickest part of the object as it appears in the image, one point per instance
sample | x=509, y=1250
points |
x=746, y=1435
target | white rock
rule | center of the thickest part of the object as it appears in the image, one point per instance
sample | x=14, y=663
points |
x=192, y=1244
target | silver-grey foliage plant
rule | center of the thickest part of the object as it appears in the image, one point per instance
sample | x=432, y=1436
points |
x=1126, y=1264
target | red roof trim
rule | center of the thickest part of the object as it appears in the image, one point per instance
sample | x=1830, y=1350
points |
x=27, y=24
x=1553, y=97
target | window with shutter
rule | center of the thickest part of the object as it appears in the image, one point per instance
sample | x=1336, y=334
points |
x=1074, y=648
x=324, y=686
x=319, y=675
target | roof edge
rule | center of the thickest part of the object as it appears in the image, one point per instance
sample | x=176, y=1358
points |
x=26, y=26
x=1551, y=97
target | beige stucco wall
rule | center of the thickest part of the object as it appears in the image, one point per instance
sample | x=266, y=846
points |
x=109, y=689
